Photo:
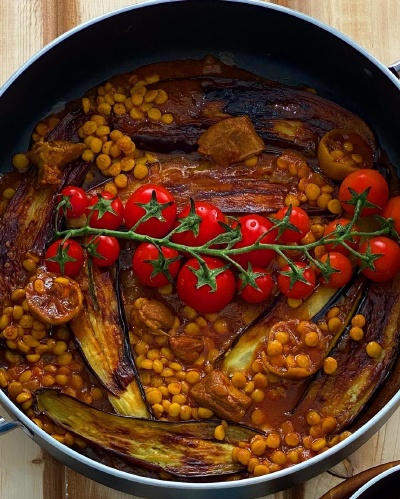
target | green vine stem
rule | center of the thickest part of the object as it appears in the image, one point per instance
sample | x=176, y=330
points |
x=227, y=240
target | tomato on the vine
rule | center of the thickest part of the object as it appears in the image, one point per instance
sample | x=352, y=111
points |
x=343, y=269
x=77, y=201
x=252, y=227
x=299, y=219
x=359, y=181
x=336, y=226
x=387, y=264
x=296, y=289
x=208, y=226
x=105, y=211
x=155, y=202
x=104, y=250
x=193, y=289
x=152, y=268
x=392, y=210
x=264, y=283
x=64, y=257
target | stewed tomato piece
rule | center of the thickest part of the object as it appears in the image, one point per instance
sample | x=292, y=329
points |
x=294, y=349
x=54, y=299
x=341, y=152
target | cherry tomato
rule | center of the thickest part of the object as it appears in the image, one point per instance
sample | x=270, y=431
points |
x=77, y=201
x=104, y=250
x=204, y=298
x=342, y=264
x=299, y=218
x=105, y=211
x=341, y=152
x=359, y=181
x=353, y=241
x=64, y=257
x=164, y=218
x=264, y=283
x=148, y=264
x=252, y=227
x=299, y=289
x=388, y=264
x=392, y=210
x=208, y=228
x=53, y=300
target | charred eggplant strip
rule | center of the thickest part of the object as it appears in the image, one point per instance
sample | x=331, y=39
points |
x=345, y=393
x=242, y=354
x=313, y=309
x=183, y=449
x=275, y=110
x=28, y=224
x=236, y=188
x=100, y=334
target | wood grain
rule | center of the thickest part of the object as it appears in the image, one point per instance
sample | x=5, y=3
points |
x=25, y=27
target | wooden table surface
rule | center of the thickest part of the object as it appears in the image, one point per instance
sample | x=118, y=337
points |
x=25, y=27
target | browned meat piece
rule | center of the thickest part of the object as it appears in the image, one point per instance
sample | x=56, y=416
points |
x=154, y=315
x=186, y=348
x=51, y=157
x=230, y=141
x=216, y=392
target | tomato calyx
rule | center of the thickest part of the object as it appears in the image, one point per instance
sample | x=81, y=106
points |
x=295, y=274
x=207, y=276
x=152, y=208
x=360, y=199
x=63, y=257
x=161, y=265
x=241, y=244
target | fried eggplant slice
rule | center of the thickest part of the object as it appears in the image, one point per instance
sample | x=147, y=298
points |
x=257, y=188
x=28, y=223
x=252, y=346
x=186, y=449
x=202, y=93
x=101, y=335
x=344, y=393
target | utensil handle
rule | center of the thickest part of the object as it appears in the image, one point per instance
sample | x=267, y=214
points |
x=6, y=426
x=395, y=69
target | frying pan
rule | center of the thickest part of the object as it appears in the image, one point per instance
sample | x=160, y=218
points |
x=272, y=41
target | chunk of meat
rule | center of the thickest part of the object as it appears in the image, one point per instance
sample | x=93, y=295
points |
x=230, y=141
x=154, y=315
x=51, y=157
x=216, y=392
x=186, y=348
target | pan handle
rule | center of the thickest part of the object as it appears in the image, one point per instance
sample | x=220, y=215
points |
x=6, y=426
x=395, y=69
